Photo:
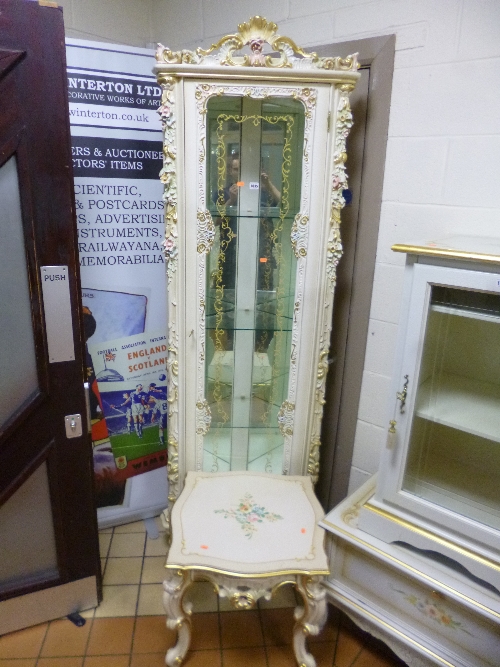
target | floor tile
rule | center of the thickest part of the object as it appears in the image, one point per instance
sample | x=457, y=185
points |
x=377, y=656
x=135, y=527
x=280, y=656
x=65, y=638
x=330, y=631
x=88, y=613
x=107, y=661
x=323, y=653
x=205, y=631
x=244, y=657
x=123, y=571
x=158, y=547
x=241, y=629
x=283, y=597
x=278, y=626
x=104, y=542
x=203, y=659
x=151, y=635
x=150, y=600
x=24, y=643
x=60, y=662
x=106, y=530
x=118, y=601
x=149, y=660
x=193, y=659
x=283, y=656
x=110, y=636
x=202, y=596
x=353, y=629
x=153, y=571
x=127, y=545
x=14, y=662
x=348, y=648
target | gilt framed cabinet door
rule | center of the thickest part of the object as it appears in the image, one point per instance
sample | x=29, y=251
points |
x=439, y=479
x=255, y=138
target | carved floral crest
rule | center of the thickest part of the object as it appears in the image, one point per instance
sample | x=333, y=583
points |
x=255, y=35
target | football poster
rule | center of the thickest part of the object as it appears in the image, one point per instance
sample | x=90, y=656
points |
x=131, y=378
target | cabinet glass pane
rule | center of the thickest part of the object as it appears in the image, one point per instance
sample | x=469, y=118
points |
x=454, y=451
x=18, y=379
x=253, y=189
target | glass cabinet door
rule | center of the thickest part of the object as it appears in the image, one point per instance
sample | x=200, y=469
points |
x=253, y=189
x=453, y=456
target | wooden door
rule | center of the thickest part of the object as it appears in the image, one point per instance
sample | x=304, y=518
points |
x=49, y=563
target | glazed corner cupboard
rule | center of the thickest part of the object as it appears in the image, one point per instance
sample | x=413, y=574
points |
x=254, y=170
x=428, y=530
x=255, y=133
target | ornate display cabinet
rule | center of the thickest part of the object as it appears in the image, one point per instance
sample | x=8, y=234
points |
x=254, y=170
x=416, y=553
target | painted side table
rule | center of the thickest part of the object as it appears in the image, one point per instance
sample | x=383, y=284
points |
x=247, y=533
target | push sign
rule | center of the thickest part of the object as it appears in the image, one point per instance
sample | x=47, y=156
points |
x=57, y=308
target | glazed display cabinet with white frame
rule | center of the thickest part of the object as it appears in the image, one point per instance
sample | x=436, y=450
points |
x=255, y=133
x=254, y=174
x=415, y=552
x=438, y=486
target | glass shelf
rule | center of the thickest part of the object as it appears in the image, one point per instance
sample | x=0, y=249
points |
x=463, y=404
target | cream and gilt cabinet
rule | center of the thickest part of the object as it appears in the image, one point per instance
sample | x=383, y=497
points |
x=255, y=135
x=254, y=170
x=426, y=533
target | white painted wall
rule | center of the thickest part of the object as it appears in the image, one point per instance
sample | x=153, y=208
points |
x=443, y=162
x=116, y=21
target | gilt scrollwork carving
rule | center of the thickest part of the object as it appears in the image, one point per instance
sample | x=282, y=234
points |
x=205, y=232
x=203, y=417
x=168, y=177
x=285, y=418
x=168, y=173
x=343, y=125
x=256, y=34
x=299, y=235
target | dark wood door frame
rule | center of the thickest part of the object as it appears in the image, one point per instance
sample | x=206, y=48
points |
x=34, y=124
x=356, y=269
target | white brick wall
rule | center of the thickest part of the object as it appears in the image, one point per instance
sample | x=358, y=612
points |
x=117, y=21
x=444, y=133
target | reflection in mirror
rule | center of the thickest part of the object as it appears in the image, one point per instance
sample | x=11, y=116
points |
x=253, y=192
x=18, y=379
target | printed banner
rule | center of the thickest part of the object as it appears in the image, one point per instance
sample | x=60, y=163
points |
x=117, y=157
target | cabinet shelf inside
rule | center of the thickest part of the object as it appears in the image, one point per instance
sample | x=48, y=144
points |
x=461, y=403
x=472, y=313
